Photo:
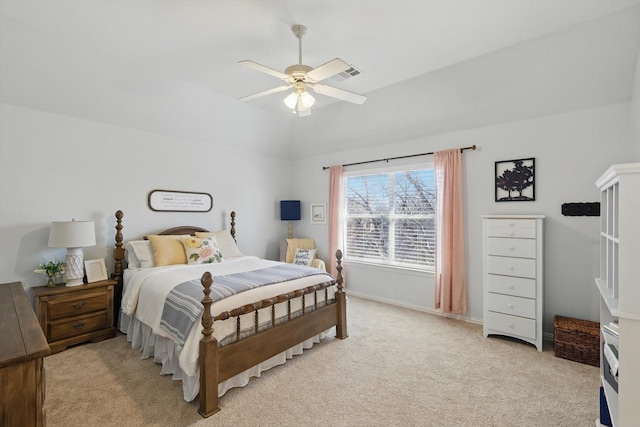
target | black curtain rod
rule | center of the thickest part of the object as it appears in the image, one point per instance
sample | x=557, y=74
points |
x=472, y=147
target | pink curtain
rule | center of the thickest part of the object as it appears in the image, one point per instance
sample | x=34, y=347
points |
x=450, y=281
x=335, y=231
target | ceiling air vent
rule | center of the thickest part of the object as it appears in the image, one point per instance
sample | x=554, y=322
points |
x=351, y=72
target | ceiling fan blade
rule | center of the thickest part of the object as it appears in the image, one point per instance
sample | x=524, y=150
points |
x=264, y=93
x=342, y=94
x=264, y=69
x=331, y=68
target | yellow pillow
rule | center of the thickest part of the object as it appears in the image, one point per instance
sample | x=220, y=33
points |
x=168, y=250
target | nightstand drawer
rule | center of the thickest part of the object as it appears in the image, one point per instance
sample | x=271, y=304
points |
x=523, y=307
x=77, y=325
x=81, y=304
x=507, y=266
x=521, y=248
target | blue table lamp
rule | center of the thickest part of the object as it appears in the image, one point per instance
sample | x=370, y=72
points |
x=290, y=211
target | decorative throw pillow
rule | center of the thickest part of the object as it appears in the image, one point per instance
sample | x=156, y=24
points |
x=201, y=251
x=225, y=242
x=168, y=250
x=304, y=256
x=293, y=244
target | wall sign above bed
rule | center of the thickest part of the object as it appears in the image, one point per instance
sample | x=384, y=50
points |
x=179, y=201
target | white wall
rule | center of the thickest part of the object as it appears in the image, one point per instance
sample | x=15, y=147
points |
x=54, y=168
x=571, y=151
x=635, y=107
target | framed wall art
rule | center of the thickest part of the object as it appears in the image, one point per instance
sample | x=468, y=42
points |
x=179, y=201
x=515, y=180
x=318, y=213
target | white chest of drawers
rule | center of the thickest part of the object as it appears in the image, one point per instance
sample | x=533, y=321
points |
x=513, y=276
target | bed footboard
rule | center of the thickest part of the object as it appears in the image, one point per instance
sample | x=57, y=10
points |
x=220, y=364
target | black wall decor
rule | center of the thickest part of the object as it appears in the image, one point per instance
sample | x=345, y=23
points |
x=515, y=180
x=581, y=209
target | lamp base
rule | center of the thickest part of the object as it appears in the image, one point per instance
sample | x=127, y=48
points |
x=74, y=282
x=290, y=235
x=75, y=267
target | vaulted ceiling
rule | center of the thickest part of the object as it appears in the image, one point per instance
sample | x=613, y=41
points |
x=459, y=64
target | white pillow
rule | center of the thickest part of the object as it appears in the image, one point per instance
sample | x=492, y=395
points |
x=130, y=256
x=304, y=256
x=226, y=244
x=142, y=251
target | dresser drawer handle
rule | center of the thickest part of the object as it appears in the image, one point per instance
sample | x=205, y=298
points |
x=79, y=325
x=79, y=305
x=511, y=248
x=510, y=305
x=510, y=325
x=510, y=267
x=511, y=233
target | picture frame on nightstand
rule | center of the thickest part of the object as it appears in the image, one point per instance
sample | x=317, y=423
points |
x=96, y=270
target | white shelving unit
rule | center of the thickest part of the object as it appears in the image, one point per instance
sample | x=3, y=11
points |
x=619, y=285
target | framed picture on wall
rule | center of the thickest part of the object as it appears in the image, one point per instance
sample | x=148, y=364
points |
x=515, y=180
x=318, y=213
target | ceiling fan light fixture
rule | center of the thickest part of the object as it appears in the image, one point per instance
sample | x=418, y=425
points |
x=300, y=77
x=307, y=99
x=291, y=100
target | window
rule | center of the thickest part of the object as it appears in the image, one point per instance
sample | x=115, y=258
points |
x=390, y=217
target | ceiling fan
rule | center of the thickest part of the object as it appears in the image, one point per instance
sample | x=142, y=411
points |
x=300, y=77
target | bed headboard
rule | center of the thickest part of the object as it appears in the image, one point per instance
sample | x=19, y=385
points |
x=183, y=229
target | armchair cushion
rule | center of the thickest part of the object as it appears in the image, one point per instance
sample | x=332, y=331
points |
x=318, y=263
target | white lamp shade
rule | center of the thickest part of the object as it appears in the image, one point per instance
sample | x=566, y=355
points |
x=72, y=234
x=291, y=100
x=307, y=99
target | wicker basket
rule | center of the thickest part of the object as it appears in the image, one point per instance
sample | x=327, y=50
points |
x=577, y=340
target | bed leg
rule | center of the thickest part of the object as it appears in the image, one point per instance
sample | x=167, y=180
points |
x=341, y=298
x=208, y=356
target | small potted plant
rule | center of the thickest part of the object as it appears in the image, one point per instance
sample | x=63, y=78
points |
x=51, y=269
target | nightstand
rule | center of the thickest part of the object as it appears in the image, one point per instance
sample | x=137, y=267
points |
x=71, y=315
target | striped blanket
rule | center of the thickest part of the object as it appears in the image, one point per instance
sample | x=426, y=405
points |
x=183, y=306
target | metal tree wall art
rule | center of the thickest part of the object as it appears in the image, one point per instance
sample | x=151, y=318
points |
x=515, y=180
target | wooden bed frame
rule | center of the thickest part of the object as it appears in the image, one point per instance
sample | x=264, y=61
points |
x=218, y=364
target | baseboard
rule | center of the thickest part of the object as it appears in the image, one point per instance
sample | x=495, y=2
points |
x=546, y=336
x=416, y=307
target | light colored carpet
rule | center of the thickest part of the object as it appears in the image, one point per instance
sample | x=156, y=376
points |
x=398, y=367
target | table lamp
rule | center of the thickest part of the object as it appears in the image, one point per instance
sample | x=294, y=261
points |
x=290, y=211
x=73, y=235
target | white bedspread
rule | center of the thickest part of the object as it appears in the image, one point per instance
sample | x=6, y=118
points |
x=145, y=291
